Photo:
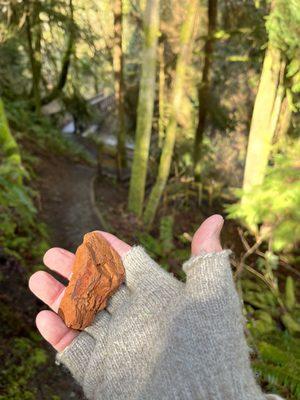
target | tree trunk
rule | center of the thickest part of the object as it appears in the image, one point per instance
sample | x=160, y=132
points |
x=33, y=24
x=66, y=61
x=9, y=147
x=161, y=97
x=204, y=88
x=284, y=121
x=176, y=102
x=264, y=118
x=118, y=62
x=145, y=109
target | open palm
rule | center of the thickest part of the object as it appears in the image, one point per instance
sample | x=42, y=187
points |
x=51, y=291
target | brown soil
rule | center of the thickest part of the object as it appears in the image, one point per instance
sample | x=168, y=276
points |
x=66, y=200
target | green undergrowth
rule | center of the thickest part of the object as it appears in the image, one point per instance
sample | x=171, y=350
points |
x=273, y=323
x=22, y=357
x=268, y=217
x=277, y=364
x=25, y=364
x=22, y=235
x=165, y=248
x=271, y=210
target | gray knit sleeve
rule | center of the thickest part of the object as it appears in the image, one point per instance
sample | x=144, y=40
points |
x=160, y=339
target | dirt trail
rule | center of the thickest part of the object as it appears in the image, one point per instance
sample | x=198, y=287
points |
x=67, y=207
x=66, y=200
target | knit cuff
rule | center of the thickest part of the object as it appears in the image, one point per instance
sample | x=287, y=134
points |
x=76, y=356
x=206, y=259
x=208, y=274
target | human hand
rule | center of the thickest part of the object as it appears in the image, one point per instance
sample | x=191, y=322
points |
x=51, y=291
x=158, y=338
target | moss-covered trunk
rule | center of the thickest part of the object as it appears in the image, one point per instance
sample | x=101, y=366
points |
x=265, y=117
x=145, y=109
x=176, y=102
x=204, y=88
x=118, y=62
x=10, y=152
x=161, y=97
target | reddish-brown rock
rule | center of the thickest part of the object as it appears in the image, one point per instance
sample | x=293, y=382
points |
x=97, y=273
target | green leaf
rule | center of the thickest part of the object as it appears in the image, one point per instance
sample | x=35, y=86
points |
x=291, y=325
x=290, y=296
x=293, y=68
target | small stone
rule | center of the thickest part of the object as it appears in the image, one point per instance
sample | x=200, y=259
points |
x=97, y=274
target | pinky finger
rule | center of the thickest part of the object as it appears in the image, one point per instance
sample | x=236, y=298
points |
x=53, y=329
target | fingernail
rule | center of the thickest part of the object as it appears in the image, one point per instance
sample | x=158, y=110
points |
x=217, y=230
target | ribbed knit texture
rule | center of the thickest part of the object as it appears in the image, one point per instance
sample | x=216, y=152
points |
x=160, y=339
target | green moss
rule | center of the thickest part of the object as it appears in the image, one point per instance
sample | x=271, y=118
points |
x=21, y=358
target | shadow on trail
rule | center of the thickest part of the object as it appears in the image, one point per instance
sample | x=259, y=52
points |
x=67, y=205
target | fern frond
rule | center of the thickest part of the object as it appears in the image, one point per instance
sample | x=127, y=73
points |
x=280, y=376
x=280, y=357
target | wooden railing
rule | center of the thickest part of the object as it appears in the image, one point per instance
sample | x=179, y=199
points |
x=102, y=102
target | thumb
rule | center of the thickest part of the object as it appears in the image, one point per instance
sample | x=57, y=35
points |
x=209, y=275
x=207, y=237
